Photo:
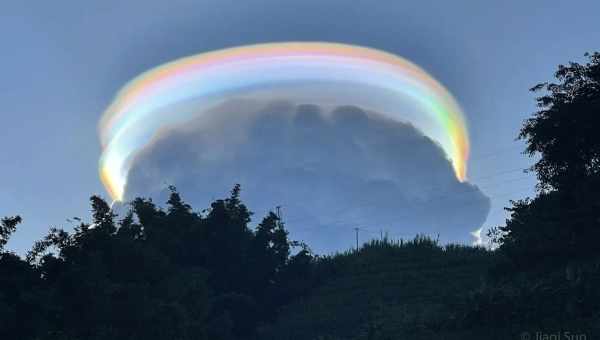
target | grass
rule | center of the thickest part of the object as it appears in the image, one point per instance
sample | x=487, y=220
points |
x=408, y=289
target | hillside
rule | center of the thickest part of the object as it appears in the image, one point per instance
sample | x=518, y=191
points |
x=404, y=289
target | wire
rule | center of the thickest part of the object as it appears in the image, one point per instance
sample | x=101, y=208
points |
x=495, y=153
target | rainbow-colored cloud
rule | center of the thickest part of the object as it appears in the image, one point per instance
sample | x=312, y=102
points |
x=307, y=72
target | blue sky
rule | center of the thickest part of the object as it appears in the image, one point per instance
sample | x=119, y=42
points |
x=63, y=61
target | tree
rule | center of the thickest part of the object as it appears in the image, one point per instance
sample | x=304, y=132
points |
x=562, y=223
x=155, y=274
x=8, y=226
x=564, y=132
x=22, y=293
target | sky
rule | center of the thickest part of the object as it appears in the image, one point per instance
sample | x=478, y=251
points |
x=62, y=63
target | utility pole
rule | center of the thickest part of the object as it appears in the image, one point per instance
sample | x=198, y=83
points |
x=278, y=215
x=356, y=229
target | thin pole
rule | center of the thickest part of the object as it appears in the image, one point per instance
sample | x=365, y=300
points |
x=356, y=229
x=278, y=213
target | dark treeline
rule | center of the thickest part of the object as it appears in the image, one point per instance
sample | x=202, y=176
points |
x=174, y=273
x=155, y=274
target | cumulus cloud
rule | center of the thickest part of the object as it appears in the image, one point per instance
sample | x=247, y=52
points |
x=330, y=168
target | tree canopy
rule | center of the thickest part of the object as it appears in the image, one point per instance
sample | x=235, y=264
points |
x=564, y=131
x=561, y=224
x=154, y=274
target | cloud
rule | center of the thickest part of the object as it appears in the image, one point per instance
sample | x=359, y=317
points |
x=330, y=168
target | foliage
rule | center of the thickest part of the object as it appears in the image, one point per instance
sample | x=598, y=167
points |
x=549, y=245
x=8, y=225
x=561, y=224
x=387, y=290
x=155, y=274
x=564, y=131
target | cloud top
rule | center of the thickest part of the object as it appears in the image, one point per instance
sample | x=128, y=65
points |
x=330, y=168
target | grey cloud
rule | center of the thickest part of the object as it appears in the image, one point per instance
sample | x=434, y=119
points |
x=330, y=169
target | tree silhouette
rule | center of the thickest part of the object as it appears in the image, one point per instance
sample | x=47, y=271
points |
x=561, y=224
x=154, y=274
x=549, y=259
x=564, y=132
x=8, y=225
